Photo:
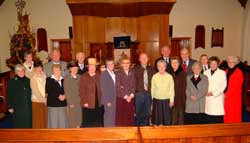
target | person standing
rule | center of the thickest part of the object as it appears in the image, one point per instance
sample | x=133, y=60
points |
x=125, y=92
x=179, y=77
x=162, y=90
x=143, y=75
x=55, y=56
x=107, y=82
x=165, y=51
x=28, y=64
x=204, y=62
x=186, y=61
x=80, y=57
x=233, y=92
x=196, y=91
x=217, y=81
x=56, y=100
x=19, y=99
x=71, y=89
x=39, y=109
x=90, y=95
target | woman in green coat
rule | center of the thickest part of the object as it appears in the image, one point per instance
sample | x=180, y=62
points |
x=19, y=99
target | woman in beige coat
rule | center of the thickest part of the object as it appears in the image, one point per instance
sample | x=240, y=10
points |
x=39, y=109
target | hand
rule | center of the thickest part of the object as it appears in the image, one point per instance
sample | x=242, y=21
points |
x=109, y=104
x=171, y=104
x=210, y=94
x=11, y=110
x=193, y=97
x=61, y=97
x=86, y=105
x=129, y=99
x=71, y=106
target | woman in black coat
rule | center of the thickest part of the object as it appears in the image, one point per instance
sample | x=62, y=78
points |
x=19, y=99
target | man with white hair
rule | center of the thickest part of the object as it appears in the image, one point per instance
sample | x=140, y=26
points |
x=80, y=57
x=55, y=56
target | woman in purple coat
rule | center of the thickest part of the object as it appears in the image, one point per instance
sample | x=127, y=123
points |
x=125, y=90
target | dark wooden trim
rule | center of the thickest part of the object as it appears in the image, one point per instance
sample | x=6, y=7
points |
x=102, y=9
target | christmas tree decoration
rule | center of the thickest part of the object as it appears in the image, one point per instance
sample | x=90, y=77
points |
x=23, y=40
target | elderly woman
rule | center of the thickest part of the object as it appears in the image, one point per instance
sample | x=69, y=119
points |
x=19, y=99
x=196, y=91
x=39, y=109
x=125, y=92
x=71, y=89
x=28, y=64
x=56, y=100
x=217, y=82
x=233, y=91
x=179, y=77
x=162, y=90
x=90, y=94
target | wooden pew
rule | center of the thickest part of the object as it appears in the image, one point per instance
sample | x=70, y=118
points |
x=220, y=133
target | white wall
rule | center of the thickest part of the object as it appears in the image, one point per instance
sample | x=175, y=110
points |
x=53, y=15
x=187, y=14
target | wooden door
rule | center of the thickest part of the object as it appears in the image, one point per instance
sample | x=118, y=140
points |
x=66, y=51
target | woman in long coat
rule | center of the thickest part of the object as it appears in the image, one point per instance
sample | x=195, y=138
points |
x=179, y=77
x=90, y=94
x=125, y=91
x=233, y=92
x=19, y=99
x=196, y=91
x=107, y=82
x=71, y=89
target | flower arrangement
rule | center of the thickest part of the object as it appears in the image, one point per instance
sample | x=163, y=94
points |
x=23, y=40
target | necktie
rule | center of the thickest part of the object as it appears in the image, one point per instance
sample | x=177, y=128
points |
x=184, y=67
x=145, y=79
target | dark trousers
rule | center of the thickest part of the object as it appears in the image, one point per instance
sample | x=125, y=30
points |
x=194, y=118
x=92, y=117
x=214, y=119
x=142, y=108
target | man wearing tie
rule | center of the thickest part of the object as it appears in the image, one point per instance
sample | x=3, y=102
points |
x=186, y=61
x=204, y=62
x=80, y=56
x=55, y=56
x=143, y=75
x=165, y=51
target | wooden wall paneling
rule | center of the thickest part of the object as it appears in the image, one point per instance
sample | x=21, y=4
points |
x=164, y=30
x=79, y=39
x=95, y=29
x=130, y=27
x=114, y=27
x=148, y=28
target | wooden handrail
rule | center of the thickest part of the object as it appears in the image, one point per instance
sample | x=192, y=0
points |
x=129, y=134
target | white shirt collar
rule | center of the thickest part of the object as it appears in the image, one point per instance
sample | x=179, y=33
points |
x=53, y=77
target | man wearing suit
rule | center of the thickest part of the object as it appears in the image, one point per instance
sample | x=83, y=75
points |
x=143, y=75
x=107, y=83
x=186, y=61
x=80, y=57
x=55, y=59
x=217, y=82
x=165, y=51
x=204, y=63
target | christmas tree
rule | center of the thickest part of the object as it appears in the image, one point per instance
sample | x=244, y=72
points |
x=23, y=40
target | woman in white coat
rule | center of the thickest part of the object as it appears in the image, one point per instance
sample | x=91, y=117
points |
x=217, y=80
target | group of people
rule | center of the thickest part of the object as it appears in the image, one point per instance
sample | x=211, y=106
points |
x=175, y=91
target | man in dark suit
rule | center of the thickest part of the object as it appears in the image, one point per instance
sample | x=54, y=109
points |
x=80, y=56
x=186, y=61
x=204, y=62
x=165, y=51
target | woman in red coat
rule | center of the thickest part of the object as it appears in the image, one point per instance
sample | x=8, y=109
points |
x=233, y=92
